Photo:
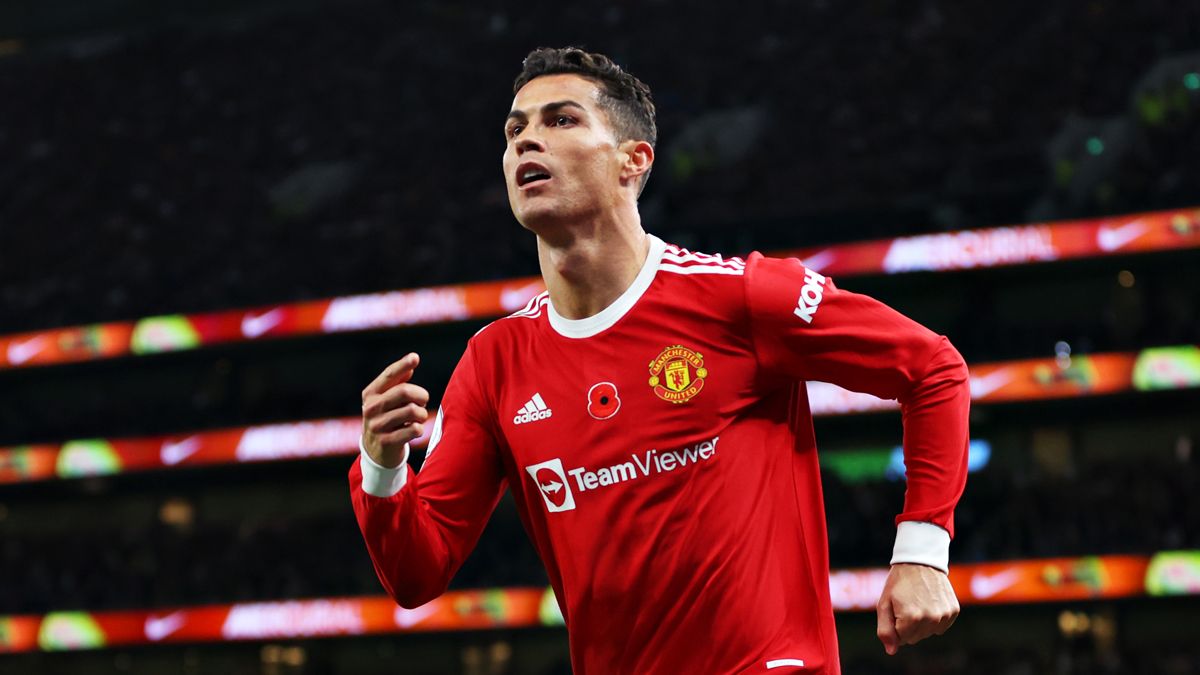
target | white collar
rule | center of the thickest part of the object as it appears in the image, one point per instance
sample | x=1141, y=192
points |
x=589, y=326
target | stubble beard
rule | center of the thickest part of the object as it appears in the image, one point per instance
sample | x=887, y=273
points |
x=553, y=215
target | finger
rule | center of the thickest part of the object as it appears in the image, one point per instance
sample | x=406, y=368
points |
x=949, y=620
x=396, y=372
x=406, y=392
x=394, y=419
x=396, y=397
x=943, y=626
x=886, y=626
x=914, y=629
x=403, y=435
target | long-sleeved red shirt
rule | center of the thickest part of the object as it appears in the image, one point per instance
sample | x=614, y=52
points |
x=662, y=459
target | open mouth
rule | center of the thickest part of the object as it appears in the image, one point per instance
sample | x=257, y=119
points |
x=531, y=175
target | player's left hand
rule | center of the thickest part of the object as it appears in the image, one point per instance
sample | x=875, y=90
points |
x=917, y=601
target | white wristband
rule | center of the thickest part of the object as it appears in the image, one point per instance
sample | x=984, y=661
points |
x=922, y=543
x=380, y=481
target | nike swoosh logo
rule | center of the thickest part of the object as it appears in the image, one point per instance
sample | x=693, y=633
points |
x=158, y=628
x=986, y=384
x=20, y=352
x=984, y=586
x=175, y=452
x=1113, y=238
x=255, y=326
x=512, y=299
x=819, y=261
x=407, y=618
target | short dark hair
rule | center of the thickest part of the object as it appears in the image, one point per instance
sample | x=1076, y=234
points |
x=623, y=97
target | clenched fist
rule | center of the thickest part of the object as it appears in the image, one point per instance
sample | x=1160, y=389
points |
x=393, y=409
x=917, y=602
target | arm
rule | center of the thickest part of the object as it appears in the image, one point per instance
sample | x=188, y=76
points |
x=419, y=528
x=806, y=327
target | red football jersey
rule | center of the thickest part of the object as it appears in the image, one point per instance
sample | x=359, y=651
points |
x=662, y=458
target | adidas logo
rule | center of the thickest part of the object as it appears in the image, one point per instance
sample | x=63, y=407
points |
x=534, y=409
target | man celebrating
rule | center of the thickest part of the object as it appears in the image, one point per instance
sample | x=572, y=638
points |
x=649, y=414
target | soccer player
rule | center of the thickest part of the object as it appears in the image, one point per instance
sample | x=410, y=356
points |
x=649, y=414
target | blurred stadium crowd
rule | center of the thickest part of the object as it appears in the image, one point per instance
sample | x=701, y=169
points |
x=169, y=552
x=366, y=138
x=1079, y=661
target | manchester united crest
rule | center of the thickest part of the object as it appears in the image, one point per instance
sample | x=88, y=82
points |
x=677, y=374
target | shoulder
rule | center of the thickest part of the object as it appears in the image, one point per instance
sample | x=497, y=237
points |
x=490, y=352
x=709, y=279
x=754, y=284
x=710, y=286
x=515, y=326
x=677, y=260
x=712, y=276
x=681, y=261
x=769, y=272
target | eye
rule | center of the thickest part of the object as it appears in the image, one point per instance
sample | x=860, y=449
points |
x=514, y=130
x=563, y=120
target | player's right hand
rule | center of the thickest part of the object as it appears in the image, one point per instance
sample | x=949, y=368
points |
x=393, y=410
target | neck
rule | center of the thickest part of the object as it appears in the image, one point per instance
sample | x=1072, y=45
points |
x=587, y=265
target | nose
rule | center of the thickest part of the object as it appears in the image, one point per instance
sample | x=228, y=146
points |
x=529, y=143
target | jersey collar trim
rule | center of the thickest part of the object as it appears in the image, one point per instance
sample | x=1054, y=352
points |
x=587, y=327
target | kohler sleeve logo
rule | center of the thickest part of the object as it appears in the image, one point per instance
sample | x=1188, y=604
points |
x=558, y=486
x=810, y=295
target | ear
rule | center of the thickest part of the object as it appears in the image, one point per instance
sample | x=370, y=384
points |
x=639, y=158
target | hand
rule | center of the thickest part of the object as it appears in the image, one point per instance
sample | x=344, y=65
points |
x=393, y=410
x=917, y=601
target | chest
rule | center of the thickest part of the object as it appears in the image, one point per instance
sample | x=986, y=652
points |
x=599, y=402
